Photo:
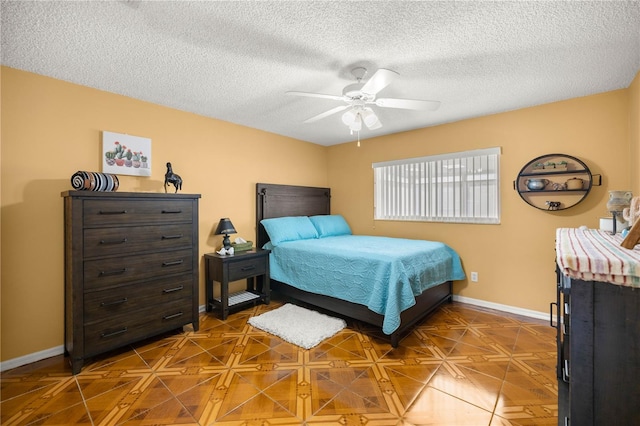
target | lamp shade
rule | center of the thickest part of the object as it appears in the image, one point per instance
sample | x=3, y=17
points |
x=349, y=117
x=370, y=119
x=225, y=227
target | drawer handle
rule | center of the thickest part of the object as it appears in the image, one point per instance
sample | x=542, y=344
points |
x=174, y=263
x=122, y=241
x=248, y=268
x=114, y=333
x=171, y=237
x=565, y=371
x=116, y=272
x=115, y=302
x=112, y=212
x=171, y=290
x=168, y=317
x=171, y=211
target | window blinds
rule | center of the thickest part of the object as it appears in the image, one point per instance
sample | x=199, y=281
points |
x=458, y=187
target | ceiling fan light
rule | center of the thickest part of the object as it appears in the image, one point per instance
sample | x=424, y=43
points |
x=370, y=118
x=349, y=117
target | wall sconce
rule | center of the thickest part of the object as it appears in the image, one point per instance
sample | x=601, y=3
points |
x=225, y=227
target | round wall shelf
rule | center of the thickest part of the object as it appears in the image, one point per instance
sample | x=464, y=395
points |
x=554, y=182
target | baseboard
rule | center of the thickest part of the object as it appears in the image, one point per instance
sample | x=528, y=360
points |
x=33, y=357
x=58, y=350
x=504, y=308
x=47, y=353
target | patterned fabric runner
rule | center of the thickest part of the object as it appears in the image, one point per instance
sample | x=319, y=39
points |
x=594, y=255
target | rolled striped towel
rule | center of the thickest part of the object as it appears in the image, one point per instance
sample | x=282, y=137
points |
x=94, y=181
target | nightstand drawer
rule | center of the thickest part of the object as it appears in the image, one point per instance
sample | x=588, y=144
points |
x=118, y=270
x=127, y=239
x=247, y=268
x=116, y=212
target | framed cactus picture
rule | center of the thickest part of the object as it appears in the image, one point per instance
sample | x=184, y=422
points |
x=125, y=154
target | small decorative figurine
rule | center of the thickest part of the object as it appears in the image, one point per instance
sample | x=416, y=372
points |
x=172, y=178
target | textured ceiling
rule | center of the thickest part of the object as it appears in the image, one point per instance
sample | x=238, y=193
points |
x=235, y=60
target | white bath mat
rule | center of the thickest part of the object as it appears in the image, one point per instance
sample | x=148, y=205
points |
x=300, y=326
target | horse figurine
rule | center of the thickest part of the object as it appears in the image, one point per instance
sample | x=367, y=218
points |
x=172, y=178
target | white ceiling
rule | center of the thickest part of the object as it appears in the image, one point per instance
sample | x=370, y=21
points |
x=235, y=60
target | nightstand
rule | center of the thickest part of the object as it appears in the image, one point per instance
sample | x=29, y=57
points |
x=250, y=264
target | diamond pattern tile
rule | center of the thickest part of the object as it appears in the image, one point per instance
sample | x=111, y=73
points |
x=463, y=365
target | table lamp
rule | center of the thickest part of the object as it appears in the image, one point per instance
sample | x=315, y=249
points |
x=225, y=227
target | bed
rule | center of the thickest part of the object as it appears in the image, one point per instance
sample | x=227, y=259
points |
x=402, y=302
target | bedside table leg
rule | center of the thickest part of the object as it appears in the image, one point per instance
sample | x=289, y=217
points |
x=262, y=287
x=208, y=297
x=224, y=298
x=266, y=288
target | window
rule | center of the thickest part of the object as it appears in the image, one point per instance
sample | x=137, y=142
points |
x=458, y=187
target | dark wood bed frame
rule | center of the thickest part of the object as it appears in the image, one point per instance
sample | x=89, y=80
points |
x=286, y=200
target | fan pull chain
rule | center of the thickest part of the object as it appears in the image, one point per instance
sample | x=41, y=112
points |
x=351, y=132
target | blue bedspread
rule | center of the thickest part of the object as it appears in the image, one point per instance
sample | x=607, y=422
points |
x=381, y=273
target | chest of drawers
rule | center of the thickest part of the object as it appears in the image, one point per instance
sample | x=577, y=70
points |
x=598, y=336
x=131, y=268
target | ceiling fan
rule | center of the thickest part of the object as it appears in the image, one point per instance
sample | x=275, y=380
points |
x=358, y=98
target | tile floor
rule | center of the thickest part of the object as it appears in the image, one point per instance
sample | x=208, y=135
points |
x=461, y=366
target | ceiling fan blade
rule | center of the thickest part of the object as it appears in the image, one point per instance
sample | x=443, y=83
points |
x=317, y=95
x=407, y=104
x=378, y=81
x=326, y=114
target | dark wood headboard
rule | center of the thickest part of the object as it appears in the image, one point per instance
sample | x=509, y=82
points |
x=287, y=200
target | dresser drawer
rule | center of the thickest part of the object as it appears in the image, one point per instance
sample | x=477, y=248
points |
x=127, y=300
x=130, y=239
x=131, y=212
x=247, y=268
x=101, y=273
x=118, y=331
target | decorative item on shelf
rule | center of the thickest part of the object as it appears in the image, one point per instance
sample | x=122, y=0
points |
x=225, y=227
x=550, y=166
x=553, y=205
x=618, y=201
x=240, y=244
x=557, y=186
x=538, y=167
x=574, y=183
x=536, y=184
x=172, y=178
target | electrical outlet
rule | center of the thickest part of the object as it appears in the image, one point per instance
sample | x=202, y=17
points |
x=474, y=277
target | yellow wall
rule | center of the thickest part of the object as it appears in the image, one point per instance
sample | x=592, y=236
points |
x=515, y=260
x=51, y=129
